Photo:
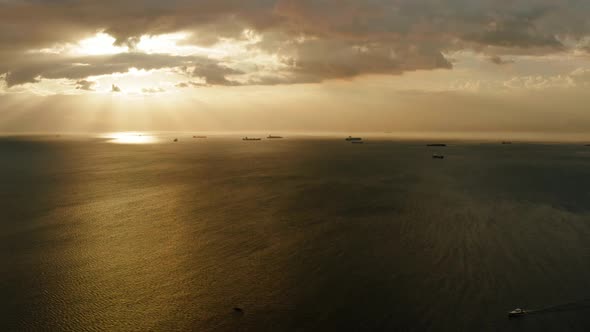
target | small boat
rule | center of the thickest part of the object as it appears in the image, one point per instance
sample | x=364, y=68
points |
x=238, y=310
x=506, y=142
x=176, y=140
x=351, y=139
x=251, y=139
x=517, y=313
x=273, y=137
x=437, y=144
x=438, y=156
x=199, y=136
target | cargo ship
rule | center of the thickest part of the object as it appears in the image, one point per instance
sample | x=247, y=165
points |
x=352, y=139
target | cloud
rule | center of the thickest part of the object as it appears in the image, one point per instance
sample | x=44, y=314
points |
x=579, y=78
x=85, y=85
x=32, y=68
x=520, y=29
x=314, y=40
x=152, y=90
x=214, y=73
x=115, y=88
x=499, y=60
x=190, y=84
x=348, y=60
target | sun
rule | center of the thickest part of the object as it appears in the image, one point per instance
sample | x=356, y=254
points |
x=99, y=44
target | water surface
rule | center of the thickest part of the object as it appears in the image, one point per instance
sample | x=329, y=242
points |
x=303, y=234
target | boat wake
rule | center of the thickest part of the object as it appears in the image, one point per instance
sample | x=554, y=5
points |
x=579, y=305
x=572, y=306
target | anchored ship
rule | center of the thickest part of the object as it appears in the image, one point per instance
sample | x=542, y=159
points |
x=352, y=139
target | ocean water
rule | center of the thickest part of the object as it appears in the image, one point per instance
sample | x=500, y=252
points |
x=303, y=234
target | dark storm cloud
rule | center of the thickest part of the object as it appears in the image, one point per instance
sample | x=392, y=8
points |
x=317, y=39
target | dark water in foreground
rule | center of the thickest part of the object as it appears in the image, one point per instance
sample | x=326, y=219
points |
x=304, y=235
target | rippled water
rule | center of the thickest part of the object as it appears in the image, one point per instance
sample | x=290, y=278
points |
x=303, y=234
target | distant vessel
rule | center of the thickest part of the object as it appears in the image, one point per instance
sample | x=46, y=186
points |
x=251, y=139
x=273, y=137
x=351, y=139
x=436, y=144
x=506, y=142
x=199, y=136
x=438, y=156
x=176, y=140
x=517, y=313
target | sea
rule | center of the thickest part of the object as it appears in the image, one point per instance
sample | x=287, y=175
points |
x=137, y=232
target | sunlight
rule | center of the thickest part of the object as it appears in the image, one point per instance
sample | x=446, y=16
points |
x=100, y=44
x=139, y=81
x=236, y=53
x=130, y=138
x=169, y=44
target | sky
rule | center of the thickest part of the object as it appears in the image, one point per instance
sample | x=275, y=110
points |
x=476, y=67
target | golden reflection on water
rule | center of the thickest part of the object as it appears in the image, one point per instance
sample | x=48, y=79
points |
x=130, y=138
x=130, y=263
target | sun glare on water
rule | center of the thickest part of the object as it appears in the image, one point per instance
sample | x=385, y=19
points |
x=130, y=138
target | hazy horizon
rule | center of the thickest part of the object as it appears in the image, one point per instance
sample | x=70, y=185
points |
x=532, y=137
